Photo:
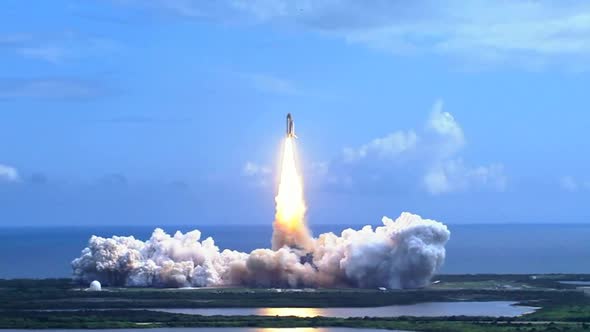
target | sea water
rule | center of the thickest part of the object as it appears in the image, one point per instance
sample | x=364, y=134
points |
x=35, y=252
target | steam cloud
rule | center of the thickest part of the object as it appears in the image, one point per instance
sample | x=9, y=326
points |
x=404, y=253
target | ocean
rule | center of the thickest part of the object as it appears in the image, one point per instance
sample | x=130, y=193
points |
x=35, y=252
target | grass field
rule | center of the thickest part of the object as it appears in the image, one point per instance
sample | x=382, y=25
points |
x=564, y=307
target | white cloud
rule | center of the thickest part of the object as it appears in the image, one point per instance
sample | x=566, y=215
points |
x=453, y=175
x=437, y=181
x=444, y=124
x=520, y=32
x=258, y=175
x=8, y=174
x=388, y=146
x=429, y=159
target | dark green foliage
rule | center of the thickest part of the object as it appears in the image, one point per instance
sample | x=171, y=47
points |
x=145, y=318
x=564, y=308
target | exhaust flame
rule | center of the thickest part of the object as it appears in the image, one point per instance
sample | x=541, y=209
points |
x=289, y=226
x=404, y=253
x=290, y=202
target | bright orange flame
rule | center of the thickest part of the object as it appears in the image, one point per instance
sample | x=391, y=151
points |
x=290, y=202
x=289, y=226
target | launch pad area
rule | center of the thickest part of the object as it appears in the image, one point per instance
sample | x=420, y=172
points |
x=563, y=301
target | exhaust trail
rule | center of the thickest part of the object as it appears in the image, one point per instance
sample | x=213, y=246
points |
x=401, y=253
x=289, y=226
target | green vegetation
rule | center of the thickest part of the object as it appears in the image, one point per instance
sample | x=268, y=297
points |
x=541, y=281
x=150, y=319
x=563, y=307
x=565, y=312
x=62, y=294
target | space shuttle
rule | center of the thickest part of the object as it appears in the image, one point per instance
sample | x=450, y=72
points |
x=290, y=126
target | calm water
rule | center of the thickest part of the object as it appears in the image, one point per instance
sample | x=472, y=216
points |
x=47, y=252
x=427, y=309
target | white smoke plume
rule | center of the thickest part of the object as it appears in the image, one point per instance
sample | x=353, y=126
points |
x=404, y=253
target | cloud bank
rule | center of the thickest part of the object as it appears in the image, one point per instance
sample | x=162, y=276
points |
x=427, y=159
x=530, y=34
x=404, y=253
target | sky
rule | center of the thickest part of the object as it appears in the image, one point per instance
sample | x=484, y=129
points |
x=169, y=112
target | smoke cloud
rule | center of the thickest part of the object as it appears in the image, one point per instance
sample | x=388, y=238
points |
x=404, y=253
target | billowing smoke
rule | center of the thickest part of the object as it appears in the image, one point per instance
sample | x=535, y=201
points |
x=404, y=253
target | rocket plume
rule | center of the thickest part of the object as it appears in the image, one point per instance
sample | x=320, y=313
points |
x=402, y=253
x=289, y=226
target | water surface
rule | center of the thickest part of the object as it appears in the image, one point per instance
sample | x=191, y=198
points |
x=426, y=309
x=523, y=248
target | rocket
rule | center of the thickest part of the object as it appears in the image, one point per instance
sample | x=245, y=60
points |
x=290, y=126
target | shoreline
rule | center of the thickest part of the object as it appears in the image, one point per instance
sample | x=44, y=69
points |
x=562, y=305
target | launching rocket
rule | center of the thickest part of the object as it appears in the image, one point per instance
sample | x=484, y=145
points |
x=290, y=126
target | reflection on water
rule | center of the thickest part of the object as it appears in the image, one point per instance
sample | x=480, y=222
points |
x=308, y=329
x=294, y=329
x=299, y=312
x=426, y=309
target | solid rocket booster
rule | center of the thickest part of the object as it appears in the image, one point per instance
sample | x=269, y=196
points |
x=290, y=126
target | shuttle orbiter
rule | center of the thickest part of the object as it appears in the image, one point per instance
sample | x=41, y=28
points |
x=290, y=126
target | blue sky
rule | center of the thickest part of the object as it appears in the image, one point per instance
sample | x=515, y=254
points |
x=172, y=112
